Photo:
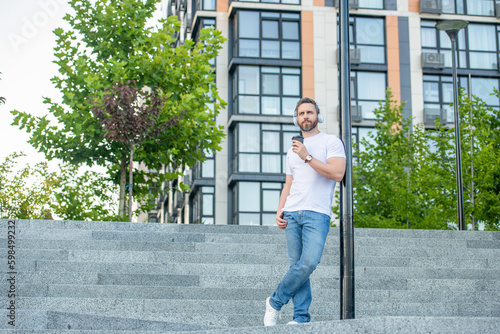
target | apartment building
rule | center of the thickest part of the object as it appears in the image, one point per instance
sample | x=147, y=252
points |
x=281, y=50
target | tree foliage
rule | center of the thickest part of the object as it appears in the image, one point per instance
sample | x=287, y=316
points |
x=406, y=177
x=110, y=42
x=34, y=192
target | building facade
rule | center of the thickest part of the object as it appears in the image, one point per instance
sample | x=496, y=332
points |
x=281, y=50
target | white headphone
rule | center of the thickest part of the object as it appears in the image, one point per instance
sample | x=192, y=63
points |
x=321, y=119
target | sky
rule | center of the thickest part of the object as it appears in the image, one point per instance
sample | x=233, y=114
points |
x=26, y=55
x=27, y=46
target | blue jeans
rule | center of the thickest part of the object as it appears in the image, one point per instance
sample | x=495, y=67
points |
x=306, y=233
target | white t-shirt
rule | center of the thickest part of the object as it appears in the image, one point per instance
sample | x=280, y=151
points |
x=310, y=190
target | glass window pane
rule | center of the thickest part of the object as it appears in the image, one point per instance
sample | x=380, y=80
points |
x=377, y=4
x=269, y=219
x=480, y=7
x=444, y=40
x=271, y=105
x=290, y=30
x=289, y=104
x=483, y=60
x=248, y=82
x=248, y=163
x=291, y=70
x=371, y=86
x=248, y=105
x=267, y=126
x=367, y=108
x=270, y=84
x=483, y=87
x=363, y=133
x=372, y=54
x=208, y=220
x=431, y=92
x=209, y=4
x=208, y=204
x=271, y=163
x=249, y=219
x=249, y=196
x=270, y=49
x=207, y=168
x=291, y=85
x=270, y=29
x=482, y=37
x=370, y=31
x=291, y=50
x=270, y=141
x=248, y=24
x=249, y=137
x=447, y=92
x=249, y=48
x=270, y=200
x=428, y=37
x=271, y=14
x=268, y=69
x=287, y=140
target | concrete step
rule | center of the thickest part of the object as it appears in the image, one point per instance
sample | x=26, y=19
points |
x=370, y=293
x=382, y=325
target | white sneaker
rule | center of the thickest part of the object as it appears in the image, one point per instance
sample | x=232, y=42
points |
x=271, y=315
x=293, y=322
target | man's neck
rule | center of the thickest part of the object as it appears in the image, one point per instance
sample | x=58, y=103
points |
x=313, y=132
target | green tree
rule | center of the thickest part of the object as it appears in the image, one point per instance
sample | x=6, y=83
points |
x=25, y=193
x=391, y=180
x=109, y=42
x=84, y=195
x=34, y=192
x=481, y=167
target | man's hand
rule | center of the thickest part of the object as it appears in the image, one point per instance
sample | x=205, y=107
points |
x=280, y=221
x=300, y=149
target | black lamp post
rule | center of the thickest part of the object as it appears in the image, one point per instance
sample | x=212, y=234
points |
x=452, y=27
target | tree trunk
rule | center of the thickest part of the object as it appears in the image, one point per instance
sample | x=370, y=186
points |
x=123, y=178
x=130, y=183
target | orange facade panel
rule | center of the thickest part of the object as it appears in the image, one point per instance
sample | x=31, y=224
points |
x=414, y=6
x=319, y=3
x=393, y=72
x=222, y=5
x=307, y=54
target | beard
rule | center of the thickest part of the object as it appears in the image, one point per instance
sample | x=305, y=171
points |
x=309, y=127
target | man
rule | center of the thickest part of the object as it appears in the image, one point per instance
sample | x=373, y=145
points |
x=304, y=209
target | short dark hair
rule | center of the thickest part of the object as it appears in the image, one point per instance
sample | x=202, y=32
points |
x=306, y=100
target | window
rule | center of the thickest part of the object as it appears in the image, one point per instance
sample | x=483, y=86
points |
x=359, y=133
x=266, y=90
x=375, y=4
x=256, y=203
x=367, y=35
x=205, y=5
x=367, y=90
x=477, y=45
x=205, y=169
x=267, y=35
x=438, y=93
x=289, y=2
x=469, y=7
x=203, y=206
x=482, y=88
x=261, y=148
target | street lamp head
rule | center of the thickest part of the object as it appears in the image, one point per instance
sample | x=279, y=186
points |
x=452, y=27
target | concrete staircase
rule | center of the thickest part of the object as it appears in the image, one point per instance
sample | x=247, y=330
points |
x=110, y=277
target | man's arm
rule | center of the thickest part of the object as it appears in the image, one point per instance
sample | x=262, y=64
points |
x=284, y=194
x=333, y=169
